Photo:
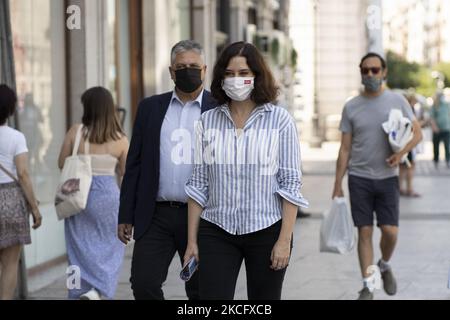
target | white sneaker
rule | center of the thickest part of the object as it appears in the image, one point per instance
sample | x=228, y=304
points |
x=90, y=295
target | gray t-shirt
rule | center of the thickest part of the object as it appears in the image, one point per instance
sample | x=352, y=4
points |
x=363, y=117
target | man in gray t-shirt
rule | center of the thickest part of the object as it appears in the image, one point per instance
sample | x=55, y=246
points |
x=373, y=168
x=362, y=118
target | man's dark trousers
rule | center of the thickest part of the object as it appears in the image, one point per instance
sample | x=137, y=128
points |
x=154, y=251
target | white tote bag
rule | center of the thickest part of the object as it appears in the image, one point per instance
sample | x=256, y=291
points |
x=75, y=182
x=337, y=233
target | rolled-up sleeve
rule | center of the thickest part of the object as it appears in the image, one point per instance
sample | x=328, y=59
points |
x=289, y=174
x=197, y=185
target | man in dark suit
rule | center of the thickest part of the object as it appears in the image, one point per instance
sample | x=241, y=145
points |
x=160, y=161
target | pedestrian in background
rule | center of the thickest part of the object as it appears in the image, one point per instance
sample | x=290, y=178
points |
x=440, y=124
x=91, y=235
x=406, y=174
x=17, y=199
x=153, y=203
x=373, y=168
x=239, y=210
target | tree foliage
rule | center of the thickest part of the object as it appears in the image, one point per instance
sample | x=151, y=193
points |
x=406, y=75
x=401, y=73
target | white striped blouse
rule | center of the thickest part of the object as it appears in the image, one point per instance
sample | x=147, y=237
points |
x=241, y=176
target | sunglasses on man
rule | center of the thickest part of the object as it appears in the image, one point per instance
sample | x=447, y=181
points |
x=375, y=70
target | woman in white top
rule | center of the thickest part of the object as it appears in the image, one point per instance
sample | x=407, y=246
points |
x=16, y=196
x=91, y=236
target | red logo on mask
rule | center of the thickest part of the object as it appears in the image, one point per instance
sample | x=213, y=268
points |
x=247, y=81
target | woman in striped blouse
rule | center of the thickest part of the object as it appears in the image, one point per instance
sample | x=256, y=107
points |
x=245, y=188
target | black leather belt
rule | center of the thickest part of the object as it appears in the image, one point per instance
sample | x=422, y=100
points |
x=172, y=204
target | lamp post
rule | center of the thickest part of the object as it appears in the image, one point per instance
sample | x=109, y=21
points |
x=316, y=139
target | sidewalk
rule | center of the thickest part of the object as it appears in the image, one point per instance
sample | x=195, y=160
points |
x=421, y=261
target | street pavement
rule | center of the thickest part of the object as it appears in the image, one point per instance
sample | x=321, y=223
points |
x=421, y=261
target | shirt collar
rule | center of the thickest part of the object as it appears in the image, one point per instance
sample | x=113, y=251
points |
x=199, y=99
x=266, y=107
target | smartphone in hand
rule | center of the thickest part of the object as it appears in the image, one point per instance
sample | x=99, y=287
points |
x=189, y=269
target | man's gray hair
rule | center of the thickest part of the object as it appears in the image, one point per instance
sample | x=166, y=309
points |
x=186, y=45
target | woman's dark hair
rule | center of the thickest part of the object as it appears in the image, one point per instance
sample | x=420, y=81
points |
x=265, y=90
x=8, y=100
x=100, y=116
x=373, y=55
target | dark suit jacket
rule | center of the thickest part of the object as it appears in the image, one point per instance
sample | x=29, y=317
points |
x=141, y=180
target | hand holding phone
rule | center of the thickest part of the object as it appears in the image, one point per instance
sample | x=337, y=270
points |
x=189, y=269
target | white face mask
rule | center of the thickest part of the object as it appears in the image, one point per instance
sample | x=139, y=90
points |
x=238, y=88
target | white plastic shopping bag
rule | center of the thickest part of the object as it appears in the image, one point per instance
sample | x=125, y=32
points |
x=399, y=129
x=337, y=233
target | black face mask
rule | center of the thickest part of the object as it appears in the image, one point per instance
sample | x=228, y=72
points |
x=188, y=79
